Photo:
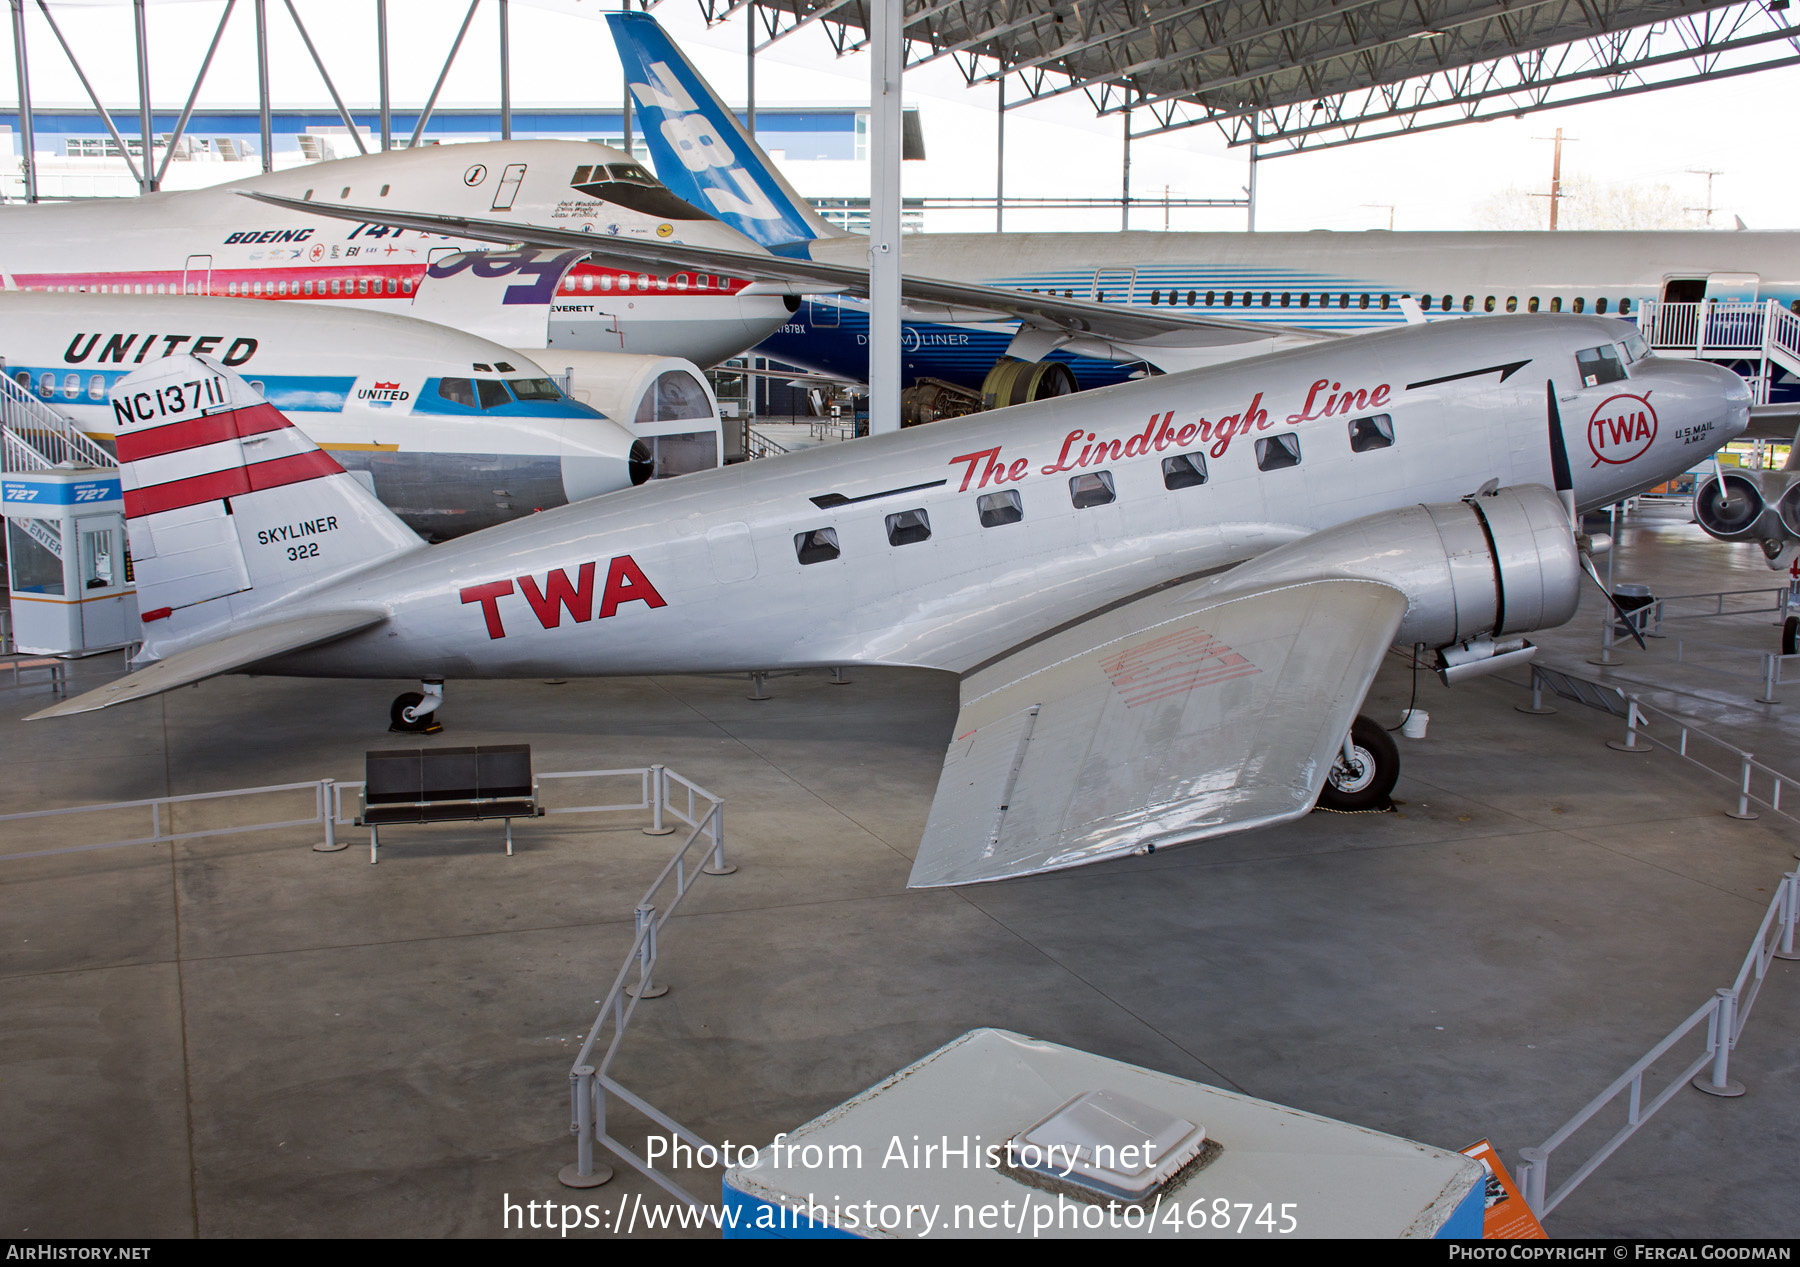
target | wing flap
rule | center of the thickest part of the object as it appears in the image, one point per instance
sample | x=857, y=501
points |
x=234, y=651
x=1165, y=721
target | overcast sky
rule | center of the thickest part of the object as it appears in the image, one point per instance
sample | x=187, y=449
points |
x=1435, y=180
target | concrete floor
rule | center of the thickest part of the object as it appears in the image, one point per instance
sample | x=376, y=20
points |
x=242, y=1037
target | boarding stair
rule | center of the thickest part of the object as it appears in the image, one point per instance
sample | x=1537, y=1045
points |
x=34, y=437
x=1766, y=332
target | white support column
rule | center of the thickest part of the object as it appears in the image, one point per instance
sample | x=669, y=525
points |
x=1250, y=191
x=262, y=85
x=886, y=40
x=381, y=71
x=505, y=74
x=1000, y=158
x=26, y=142
x=1125, y=181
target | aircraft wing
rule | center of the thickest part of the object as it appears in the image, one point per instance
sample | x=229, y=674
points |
x=234, y=651
x=1169, y=719
x=961, y=301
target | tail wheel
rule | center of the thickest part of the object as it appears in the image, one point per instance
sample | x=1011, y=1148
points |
x=1364, y=781
x=1013, y=382
x=426, y=725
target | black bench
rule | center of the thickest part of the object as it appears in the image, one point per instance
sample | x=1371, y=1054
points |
x=447, y=785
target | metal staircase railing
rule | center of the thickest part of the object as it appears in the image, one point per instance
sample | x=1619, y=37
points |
x=1726, y=329
x=34, y=437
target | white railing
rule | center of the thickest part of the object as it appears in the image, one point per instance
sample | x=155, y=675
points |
x=1725, y=327
x=702, y=852
x=37, y=438
x=758, y=445
x=1724, y=1016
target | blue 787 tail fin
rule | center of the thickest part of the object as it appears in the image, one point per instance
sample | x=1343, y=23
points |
x=700, y=150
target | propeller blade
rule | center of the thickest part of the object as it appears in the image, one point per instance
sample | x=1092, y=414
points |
x=1559, y=456
x=1587, y=565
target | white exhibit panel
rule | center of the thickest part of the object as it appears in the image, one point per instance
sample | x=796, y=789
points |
x=664, y=401
x=1000, y=1135
x=67, y=570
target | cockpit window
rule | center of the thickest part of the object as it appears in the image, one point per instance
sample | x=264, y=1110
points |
x=1636, y=349
x=458, y=391
x=630, y=171
x=493, y=395
x=1599, y=365
x=534, y=389
x=630, y=186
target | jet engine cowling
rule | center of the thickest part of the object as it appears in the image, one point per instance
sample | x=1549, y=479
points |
x=1733, y=508
x=1476, y=573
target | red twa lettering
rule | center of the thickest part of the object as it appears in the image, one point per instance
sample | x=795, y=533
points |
x=547, y=604
x=626, y=583
x=489, y=597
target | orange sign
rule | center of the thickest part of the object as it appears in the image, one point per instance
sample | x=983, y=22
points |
x=1505, y=1217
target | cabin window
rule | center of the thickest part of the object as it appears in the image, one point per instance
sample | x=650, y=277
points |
x=47, y=384
x=1362, y=301
x=1600, y=305
x=1155, y=297
x=72, y=386
x=1598, y=365
x=1184, y=470
x=1092, y=489
x=908, y=527
x=407, y=286
x=606, y=281
x=308, y=286
x=1343, y=301
x=818, y=546
x=96, y=387
x=1488, y=304
x=362, y=285
x=1384, y=302
x=346, y=192
x=384, y=190
x=1191, y=295
x=23, y=379
x=391, y=288
x=307, y=196
x=336, y=286
x=1265, y=302
x=1424, y=303
x=1304, y=296
x=1209, y=299
x=458, y=391
x=1228, y=299
x=1278, y=452
x=1556, y=303
x=1512, y=303
x=1371, y=433
x=1624, y=307
x=998, y=509
x=1284, y=298
x=1579, y=305
x=1531, y=305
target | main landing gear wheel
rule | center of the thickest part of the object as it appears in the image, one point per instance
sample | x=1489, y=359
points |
x=426, y=725
x=1363, y=782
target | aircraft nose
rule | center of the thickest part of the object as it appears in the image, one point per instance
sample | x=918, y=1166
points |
x=599, y=456
x=1733, y=395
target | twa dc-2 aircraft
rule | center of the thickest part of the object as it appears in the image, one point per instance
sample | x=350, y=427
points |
x=1166, y=600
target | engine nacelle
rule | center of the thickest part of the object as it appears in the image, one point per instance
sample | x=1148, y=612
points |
x=1735, y=509
x=1476, y=573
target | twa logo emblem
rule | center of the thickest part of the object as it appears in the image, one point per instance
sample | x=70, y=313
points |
x=1622, y=428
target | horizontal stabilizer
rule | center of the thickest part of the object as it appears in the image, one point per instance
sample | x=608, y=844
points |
x=1171, y=719
x=234, y=651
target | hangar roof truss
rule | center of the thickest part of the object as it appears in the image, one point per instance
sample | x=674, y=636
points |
x=1290, y=75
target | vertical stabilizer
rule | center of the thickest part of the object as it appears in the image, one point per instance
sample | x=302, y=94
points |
x=699, y=148
x=228, y=506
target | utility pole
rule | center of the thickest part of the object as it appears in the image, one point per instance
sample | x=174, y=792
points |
x=1556, y=195
x=1708, y=208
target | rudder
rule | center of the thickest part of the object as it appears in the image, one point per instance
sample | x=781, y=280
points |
x=228, y=506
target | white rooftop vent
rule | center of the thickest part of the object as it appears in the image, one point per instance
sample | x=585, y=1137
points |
x=1108, y=1146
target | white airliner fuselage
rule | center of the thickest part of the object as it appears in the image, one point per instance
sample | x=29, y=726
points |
x=215, y=242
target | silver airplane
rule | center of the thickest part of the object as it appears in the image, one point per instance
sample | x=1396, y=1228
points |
x=1165, y=600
